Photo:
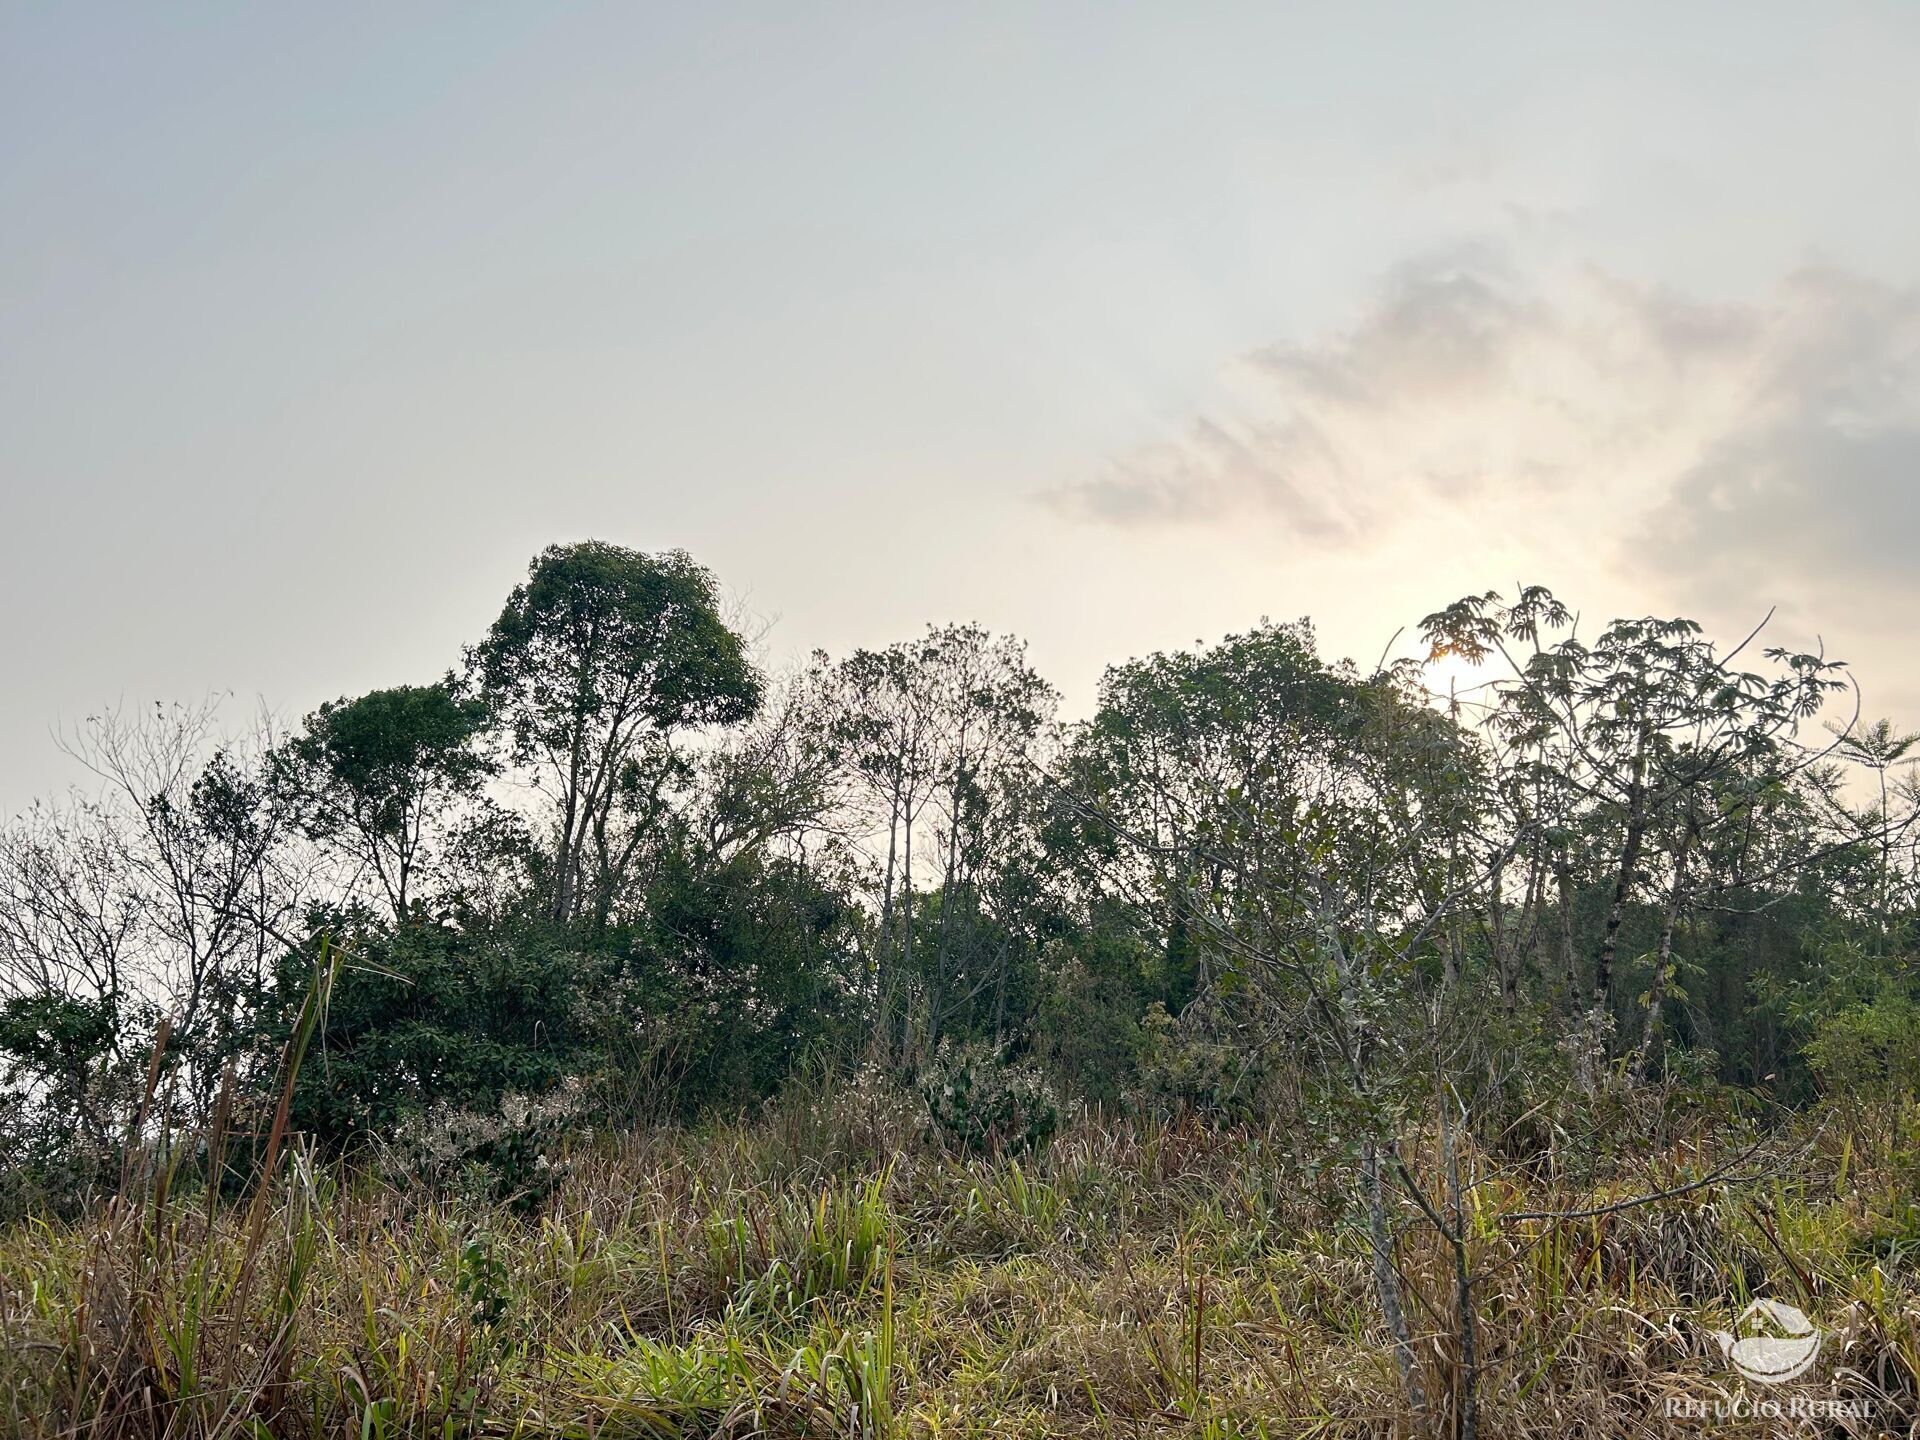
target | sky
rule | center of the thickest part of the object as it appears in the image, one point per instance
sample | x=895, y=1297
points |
x=1114, y=326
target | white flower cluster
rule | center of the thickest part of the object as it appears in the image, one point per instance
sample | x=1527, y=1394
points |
x=443, y=1147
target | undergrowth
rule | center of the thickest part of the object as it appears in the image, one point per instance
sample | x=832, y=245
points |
x=810, y=1274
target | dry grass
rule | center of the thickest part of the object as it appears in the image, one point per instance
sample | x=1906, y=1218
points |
x=815, y=1273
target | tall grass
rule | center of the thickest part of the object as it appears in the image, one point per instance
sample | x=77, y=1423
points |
x=1138, y=1278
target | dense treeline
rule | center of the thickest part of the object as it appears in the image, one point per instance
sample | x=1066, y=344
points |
x=607, y=873
x=608, y=865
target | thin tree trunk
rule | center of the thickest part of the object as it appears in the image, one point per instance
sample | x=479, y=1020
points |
x=1355, y=1041
x=943, y=952
x=906, y=928
x=1386, y=1280
x=1000, y=996
x=1636, y=823
x=1886, y=866
x=1452, y=956
x=884, y=968
x=1467, y=1414
x=1563, y=883
x=1525, y=949
x=566, y=858
x=1657, y=990
x=1497, y=918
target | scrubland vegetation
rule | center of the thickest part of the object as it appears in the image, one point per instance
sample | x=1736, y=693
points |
x=614, y=1038
x=825, y=1270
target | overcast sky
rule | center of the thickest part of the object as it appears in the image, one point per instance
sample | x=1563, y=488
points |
x=1115, y=326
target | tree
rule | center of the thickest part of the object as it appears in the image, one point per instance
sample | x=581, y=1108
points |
x=1656, y=731
x=743, y=973
x=881, y=726
x=1879, y=747
x=200, y=841
x=1294, y=830
x=939, y=735
x=379, y=772
x=70, y=930
x=596, y=660
x=742, y=961
x=1181, y=743
x=992, y=714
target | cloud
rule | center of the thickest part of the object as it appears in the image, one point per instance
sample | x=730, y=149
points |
x=1817, y=481
x=1741, y=452
x=1457, y=381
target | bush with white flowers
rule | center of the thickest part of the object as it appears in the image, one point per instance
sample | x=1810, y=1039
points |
x=980, y=1100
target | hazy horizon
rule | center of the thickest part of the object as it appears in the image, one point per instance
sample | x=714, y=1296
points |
x=1114, y=328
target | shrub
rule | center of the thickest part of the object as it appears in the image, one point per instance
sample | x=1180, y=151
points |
x=512, y=1154
x=429, y=1019
x=1087, y=1027
x=1871, y=1049
x=1194, y=1064
x=980, y=1100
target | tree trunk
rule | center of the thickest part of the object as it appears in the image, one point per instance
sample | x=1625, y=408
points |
x=1452, y=954
x=906, y=929
x=884, y=968
x=1623, y=880
x=1467, y=1414
x=1657, y=990
x=1563, y=882
x=1355, y=1041
x=1386, y=1280
x=1497, y=918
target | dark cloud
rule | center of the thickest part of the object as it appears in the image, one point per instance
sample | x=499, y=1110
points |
x=1432, y=335
x=1813, y=502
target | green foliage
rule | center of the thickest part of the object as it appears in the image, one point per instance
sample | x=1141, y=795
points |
x=482, y=1282
x=594, y=661
x=376, y=773
x=980, y=1100
x=388, y=749
x=780, y=1266
x=1182, y=743
x=598, y=631
x=62, y=1090
x=59, y=1036
x=427, y=1014
x=1088, y=1026
x=1869, y=1049
x=743, y=973
x=1195, y=1064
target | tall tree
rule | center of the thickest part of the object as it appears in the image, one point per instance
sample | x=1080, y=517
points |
x=1291, y=827
x=937, y=733
x=1183, y=743
x=594, y=664
x=994, y=709
x=1879, y=748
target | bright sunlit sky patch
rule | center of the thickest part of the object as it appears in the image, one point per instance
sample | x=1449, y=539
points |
x=1114, y=326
